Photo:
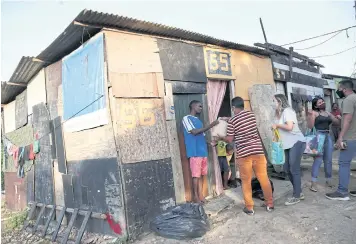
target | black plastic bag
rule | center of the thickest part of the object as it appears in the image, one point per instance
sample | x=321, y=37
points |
x=186, y=221
x=257, y=189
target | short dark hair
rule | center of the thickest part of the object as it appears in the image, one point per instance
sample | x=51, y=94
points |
x=238, y=102
x=347, y=83
x=193, y=103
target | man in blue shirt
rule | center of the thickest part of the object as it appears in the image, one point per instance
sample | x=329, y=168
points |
x=196, y=147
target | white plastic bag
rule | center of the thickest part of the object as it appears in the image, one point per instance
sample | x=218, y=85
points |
x=220, y=129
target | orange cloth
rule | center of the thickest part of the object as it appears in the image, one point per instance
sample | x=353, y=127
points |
x=258, y=164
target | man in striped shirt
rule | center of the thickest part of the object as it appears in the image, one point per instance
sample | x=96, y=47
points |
x=242, y=129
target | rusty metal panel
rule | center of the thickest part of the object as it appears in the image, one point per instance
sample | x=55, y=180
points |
x=141, y=130
x=53, y=80
x=15, y=188
x=149, y=190
x=182, y=61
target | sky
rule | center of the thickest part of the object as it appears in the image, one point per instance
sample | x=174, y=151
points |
x=28, y=27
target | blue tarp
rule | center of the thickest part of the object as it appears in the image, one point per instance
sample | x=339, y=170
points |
x=83, y=79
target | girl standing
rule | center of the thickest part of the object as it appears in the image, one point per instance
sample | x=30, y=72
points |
x=293, y=142
x=321, y=120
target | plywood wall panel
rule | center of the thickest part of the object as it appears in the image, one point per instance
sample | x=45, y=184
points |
x=141, y=130
x=9, y=117
x=36, y=91
x=53, y=80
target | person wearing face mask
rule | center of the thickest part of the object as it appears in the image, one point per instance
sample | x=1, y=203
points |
x=293, y=142
x=336, y=128
x=321, y=120
x=346, y=141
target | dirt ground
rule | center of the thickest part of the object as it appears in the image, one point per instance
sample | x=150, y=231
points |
x=314, y=220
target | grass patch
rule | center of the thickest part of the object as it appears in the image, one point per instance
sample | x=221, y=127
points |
x=14, y=220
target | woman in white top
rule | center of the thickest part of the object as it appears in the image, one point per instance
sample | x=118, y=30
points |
x=293, y=142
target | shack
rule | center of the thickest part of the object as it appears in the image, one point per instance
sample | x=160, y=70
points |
x=106, y=100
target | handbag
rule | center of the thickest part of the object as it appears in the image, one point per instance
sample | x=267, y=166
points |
x=314, y=143
x=278, y=156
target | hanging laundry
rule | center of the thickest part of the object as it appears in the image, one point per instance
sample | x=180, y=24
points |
x=15, y=155
x=26, y=154
x=36, y=146
x=21, y=163
x=114, y=226
x=31, y=154
x=9, y=147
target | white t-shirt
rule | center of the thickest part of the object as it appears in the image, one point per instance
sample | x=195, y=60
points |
x=289, y=138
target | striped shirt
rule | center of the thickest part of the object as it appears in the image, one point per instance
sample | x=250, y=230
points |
x=243, y=128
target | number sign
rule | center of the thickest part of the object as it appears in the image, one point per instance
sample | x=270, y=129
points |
x=218, y=63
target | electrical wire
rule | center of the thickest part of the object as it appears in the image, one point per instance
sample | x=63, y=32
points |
x=299, y=49
x=326, y=34
x=329, y=55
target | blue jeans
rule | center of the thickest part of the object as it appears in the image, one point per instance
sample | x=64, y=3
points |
x=326, y=157
x=345, y=159
x=293, y=158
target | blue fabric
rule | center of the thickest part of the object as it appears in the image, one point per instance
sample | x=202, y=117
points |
x=195, y=145
x=345, y=159
x=326, y=157
x=315, y=143
x=83, y=79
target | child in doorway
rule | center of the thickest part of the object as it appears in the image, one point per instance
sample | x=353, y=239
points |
x=224, y=152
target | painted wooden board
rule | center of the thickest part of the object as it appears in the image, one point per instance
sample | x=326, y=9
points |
x=21, y=110
x=141, y=130
x=44, y=190
x=59, y=145
x=249, y=70
x=176, y=161
x=181, y=61
x=261, y=99
x=137, y=85
x=218, y=63
x=36, y=91
x=131, y=53
x=53, y=80
x=9, y=117
x=15, y=189
x=58, y=187
x=168, y=102
x=183, y=87
x=60, y=101
x=30, y=183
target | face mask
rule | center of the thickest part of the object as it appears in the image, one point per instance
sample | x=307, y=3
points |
x=322, y=106
x=341, y=94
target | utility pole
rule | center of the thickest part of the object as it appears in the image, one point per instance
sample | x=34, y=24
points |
x=264, y=33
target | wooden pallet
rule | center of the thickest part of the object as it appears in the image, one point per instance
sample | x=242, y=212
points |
x=75, y=212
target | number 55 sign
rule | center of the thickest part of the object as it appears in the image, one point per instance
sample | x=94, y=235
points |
x=217, y=63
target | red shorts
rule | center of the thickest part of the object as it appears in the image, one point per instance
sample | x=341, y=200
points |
x=198, y=166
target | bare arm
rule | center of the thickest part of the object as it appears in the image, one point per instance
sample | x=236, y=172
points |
x=334, y=120
x=227, y=139
x=288, y=126
x=311, y=119
x=202, y=130
x=345, y=125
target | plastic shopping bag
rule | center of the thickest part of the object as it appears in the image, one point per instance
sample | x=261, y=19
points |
x=278, y=157
x=314, y=143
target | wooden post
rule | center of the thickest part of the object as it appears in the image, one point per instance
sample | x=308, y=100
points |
x=291, y=62
x=174, y=145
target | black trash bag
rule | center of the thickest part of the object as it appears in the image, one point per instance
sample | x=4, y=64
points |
x=186, y=221
x=257, y=189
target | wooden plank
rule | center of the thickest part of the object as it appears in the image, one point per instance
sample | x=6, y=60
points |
x=82, y=228
x=140, y=123
x=21, y=110
x=137, y=85
x=59, y=222
x=15, y=84
x=36, y=91
x=70, y=226
x=49, y=219
x=168, y=102
x=58, y=188
x=187, y=87
x=10, y=117
x=282, y=59
x=261, y=104
x=68, y=190
x=176, y=161
x=53, y=80
x=30, y=216
x=128, y=53
x=39, y=217
x=61, y=157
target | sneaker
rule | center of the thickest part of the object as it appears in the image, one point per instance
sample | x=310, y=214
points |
x=292, y=201
x=249, y=212
x=353, y=193
x=268, y=209
x=337, y=196
x=302, y=196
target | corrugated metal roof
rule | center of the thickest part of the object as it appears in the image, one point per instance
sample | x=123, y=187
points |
x=74, y=35
x=25, y=70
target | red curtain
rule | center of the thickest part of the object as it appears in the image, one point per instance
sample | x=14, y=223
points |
x=216, y=91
